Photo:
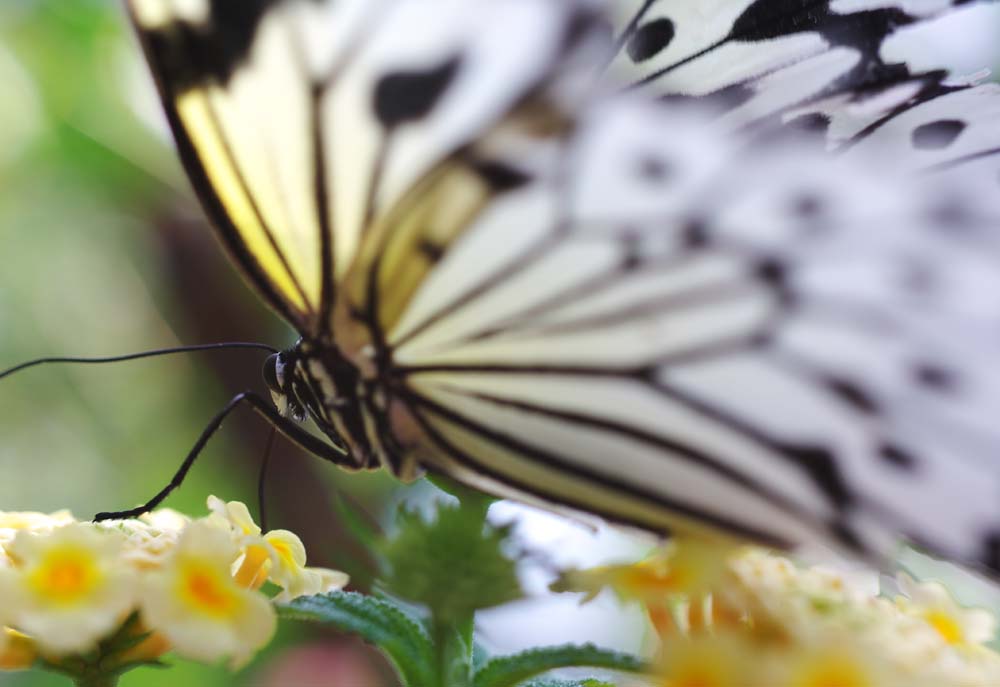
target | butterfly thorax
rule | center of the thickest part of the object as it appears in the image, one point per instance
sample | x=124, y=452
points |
x=317, y=381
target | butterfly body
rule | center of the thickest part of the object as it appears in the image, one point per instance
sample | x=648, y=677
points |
x=317, y=382
x=502, y=272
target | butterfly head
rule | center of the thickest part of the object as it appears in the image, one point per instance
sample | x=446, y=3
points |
x=279, y=375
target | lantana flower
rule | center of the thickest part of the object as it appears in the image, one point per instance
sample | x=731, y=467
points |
x=152, y=537
x=956, y=624
x=278, y=555
x=198, y=606
x=688, y=567
x=28, y=521
x=767, y=621
x=672, y=583
x=141, y=587
x=709, y=661
x=67, y=588
x=841, y=663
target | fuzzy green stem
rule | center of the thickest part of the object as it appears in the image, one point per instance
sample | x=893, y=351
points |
x=453, y=650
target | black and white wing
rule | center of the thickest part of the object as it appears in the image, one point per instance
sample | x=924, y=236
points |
x=840, y=69
x=680, y=329
x=617, y=305
x=761, y=57
x=302, y=122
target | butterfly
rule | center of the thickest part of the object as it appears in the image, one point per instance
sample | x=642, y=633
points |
x=710, y=267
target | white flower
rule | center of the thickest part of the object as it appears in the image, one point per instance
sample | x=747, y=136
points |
x=955, y=624
x=278, y=555
x=232, y=514
x=66, y=588
x=194, y=601
x=839, y=663
x=165, y=520
x=288, y=568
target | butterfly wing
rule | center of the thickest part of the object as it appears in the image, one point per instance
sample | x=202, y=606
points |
x=301, y=122
x=665, y=327
x=672, y=332
x=616, y=309
x=760, y=58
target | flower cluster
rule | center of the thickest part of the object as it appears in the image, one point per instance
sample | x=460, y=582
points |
x=168, y=582
x=750, y=618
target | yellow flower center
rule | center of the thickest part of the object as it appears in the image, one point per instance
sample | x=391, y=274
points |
x=703, y=677
x=285, y=553
x=65, y=576
x=207, y=591
x=252, y=572
x=705, y=666
x=946, y=626
x=833, y=671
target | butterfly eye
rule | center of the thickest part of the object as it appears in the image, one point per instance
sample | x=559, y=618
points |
x=270, y=372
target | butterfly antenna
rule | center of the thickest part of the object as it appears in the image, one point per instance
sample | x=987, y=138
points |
x=262, y=478
x=137, y=356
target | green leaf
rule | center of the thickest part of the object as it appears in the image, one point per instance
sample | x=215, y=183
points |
x=508, y=671
x=400, y=636
x=568, y=683
x=455, y=564
x=469, y=498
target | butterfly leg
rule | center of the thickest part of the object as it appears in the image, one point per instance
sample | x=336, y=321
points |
x=262, y=479
x=266, y=409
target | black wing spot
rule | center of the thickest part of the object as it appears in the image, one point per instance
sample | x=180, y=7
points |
x=813, y=123
x=898, y=458
x=822, y=467
x=653, y=169
x=772, y=271
x=934, y=377
x=937, y=135
x=631, y=252
x=191, y=54
x=808, y=206
x=234, y=26
x=431, y=251
x=853, y=395
x=695, y=234
x=501, y=177
x=810, y=209
x=775, y=274
x=761, y=340
x=812, y=214
x=402, y=97
x=650, y=39
x=949, y=213
x=847, y=535
x=765, y=19
x=649, y=375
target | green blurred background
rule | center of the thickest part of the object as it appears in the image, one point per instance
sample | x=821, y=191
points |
x=104, y=251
